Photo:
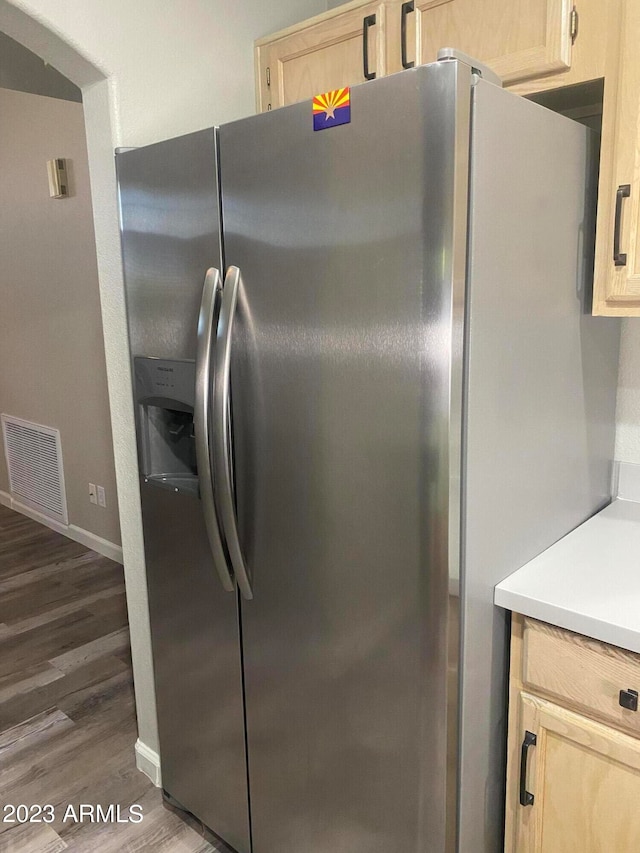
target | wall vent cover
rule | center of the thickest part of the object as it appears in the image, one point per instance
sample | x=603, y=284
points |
x=34, y=461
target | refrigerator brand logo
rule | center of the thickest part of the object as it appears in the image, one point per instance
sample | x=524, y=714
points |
x=166, y=369
x=331, y=109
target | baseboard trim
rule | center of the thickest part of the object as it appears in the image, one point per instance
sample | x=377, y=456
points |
x=71, y=531
x=148, y=762
x=96, y=543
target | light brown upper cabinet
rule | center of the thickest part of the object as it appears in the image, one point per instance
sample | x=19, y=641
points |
x=339, y=48
x=617, y=265
x=520, y=39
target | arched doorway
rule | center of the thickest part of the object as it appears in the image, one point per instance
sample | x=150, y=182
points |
x=97, y=85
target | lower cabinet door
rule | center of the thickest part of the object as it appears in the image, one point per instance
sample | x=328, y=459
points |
x=574, y=784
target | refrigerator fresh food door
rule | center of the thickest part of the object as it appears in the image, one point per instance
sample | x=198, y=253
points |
x=345, y=399
x=169, y=203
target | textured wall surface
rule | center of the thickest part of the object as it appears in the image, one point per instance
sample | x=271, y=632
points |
x=148, y=71
x=51, y=346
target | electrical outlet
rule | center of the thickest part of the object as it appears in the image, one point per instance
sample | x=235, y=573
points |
x=93, y=495
x=102, y=498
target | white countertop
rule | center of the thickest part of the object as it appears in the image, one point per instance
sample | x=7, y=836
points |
x=588, y=582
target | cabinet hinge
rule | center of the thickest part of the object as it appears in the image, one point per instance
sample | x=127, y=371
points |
x=268, y=76
x=574, y=24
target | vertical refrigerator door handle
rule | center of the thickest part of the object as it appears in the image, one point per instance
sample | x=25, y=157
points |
x=209, y=308
x=222, y=422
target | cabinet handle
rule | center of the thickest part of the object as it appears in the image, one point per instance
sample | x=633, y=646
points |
x=407, y=8
x=526, y=798
x=629, y=699
x=619, y=258
x=368, y=22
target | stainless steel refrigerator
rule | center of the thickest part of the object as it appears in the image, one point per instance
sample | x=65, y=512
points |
x=367, y=389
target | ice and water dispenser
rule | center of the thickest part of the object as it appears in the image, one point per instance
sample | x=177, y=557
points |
x=165, y=390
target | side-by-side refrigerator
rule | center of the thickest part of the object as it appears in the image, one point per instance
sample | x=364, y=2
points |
x=367, y=388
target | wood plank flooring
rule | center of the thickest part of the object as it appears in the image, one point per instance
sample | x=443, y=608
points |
x=67, y=716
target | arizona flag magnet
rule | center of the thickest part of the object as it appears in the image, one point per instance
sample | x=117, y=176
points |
x=331, y=109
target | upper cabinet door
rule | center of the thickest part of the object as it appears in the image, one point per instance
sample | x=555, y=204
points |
x=617, y=263
x=338, y=49
x=518, y=40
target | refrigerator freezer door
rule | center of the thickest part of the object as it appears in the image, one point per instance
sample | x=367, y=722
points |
x=170, y=223
x=196, y=656
x=170, y=233
x=347, y=336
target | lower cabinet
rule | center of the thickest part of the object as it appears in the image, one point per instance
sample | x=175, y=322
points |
x=573, y=777
x=578, y=783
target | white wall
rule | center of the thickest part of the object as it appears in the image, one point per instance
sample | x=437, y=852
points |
x=148, y=71
x=51, y=346
x=628, y=413
x=174, y=66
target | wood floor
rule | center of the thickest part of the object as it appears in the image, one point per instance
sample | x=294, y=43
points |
x=67, y=718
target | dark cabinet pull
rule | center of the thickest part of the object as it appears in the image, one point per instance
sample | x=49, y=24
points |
x=629, y=699
x=619, y=258
x=407, y=8
x=526, y=798
x=369, y=21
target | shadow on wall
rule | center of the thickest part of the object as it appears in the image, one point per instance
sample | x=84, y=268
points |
x=23, y=71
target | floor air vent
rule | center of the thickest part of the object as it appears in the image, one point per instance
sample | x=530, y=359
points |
x=34, y=460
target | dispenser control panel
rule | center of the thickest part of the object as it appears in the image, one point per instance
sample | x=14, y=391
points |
x=163, y=378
